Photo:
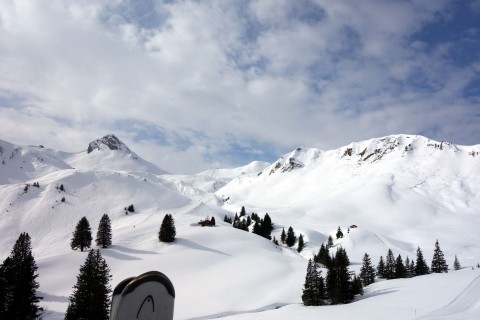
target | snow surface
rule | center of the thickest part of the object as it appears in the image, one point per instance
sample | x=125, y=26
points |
x=401, y=191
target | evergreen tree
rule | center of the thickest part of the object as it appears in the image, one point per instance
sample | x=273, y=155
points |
x=357, y=285
x=90, y=298
x=283, y=237
x=412, y=268
x=421, y=266
x=339, y=233
x=267, y=226
x=323, y=256
x=390, y=265
x=212, y=222
x=242, y=212
x=439, y=264
x=456, y=264
x=338, y=281
x=329, y=242
x=301, y=244
x=257, y=229
x=381, y=268
x=227, y=219
x=291, y=237
x=314, y=287
x=400, y=269
x=167, y=231
x=104, y=232
x=18, y=286
x=275, y=241
x=409, y=268
x=82, y=237
x=367, y=271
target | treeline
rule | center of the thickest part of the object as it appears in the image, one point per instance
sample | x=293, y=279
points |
x=264, y=227
x=341, y=285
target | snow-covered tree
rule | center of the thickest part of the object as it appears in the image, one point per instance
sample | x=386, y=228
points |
x=283, y=237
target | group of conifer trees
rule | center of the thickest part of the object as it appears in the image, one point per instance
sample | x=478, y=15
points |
x=262, y=227
x=339, y=286
x=394, y=268
x=82, y=236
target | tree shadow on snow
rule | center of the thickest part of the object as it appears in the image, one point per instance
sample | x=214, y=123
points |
x=114, y=252
x=196, y=246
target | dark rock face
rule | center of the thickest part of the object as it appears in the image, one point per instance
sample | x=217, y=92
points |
x=112, y=142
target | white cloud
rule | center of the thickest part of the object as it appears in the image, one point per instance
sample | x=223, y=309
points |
x=281, y=73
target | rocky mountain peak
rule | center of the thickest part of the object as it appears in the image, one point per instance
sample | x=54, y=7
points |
x=110, y=141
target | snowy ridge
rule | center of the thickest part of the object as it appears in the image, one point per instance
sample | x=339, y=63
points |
x=399, y=199
x=24, y=163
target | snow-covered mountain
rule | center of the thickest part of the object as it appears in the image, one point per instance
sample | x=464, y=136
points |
x=400, y=191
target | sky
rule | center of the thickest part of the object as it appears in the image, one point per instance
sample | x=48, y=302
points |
x=191, y=85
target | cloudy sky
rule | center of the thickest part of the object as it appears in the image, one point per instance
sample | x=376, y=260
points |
x=191, y=85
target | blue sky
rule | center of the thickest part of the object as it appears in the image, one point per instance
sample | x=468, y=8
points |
x=191, y=85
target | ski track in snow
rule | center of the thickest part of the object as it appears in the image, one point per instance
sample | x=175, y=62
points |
x=272, y=306
x=465, y=306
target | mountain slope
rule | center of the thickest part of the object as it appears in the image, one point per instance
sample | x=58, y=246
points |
x=401, y=192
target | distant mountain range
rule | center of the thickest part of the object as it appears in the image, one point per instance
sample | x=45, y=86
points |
x=400, y=191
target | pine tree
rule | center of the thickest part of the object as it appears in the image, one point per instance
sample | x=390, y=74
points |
x=339, y=233
x=421, y=266
x=227, y=219
x=400, y=269
x=390, y=265
x=409, y=271
x=381, y=268
x=82, y=237
x=167, y=231
x=257, y=229
x=267, y=226
x=104, y=232
x=212, y=222
x=338, y=281
x=291, y=237
x=329, y=242
x=456, y=264
x=367, y=271
x=90, y=298
x=301, y=244
x=439, y=264
x=412, y=268
x=283, y=237
x=18, y=286
x=314, y=287
x=323, y=256
x=242, y=212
